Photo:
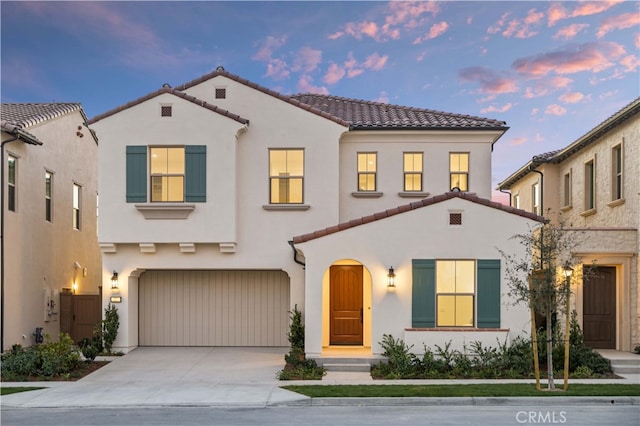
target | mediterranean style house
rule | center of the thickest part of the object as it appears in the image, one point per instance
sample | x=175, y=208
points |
x=592, y=187
x=49, y=218
x=225, y=205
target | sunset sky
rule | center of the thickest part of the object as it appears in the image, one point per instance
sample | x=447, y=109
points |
x=551, y=70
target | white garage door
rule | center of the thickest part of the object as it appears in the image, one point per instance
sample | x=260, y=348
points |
x=213, y=308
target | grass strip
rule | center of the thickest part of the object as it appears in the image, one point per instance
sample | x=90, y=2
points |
x=472, y=390
x=9, y=391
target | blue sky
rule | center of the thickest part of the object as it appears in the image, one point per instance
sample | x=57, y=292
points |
x=551, y=70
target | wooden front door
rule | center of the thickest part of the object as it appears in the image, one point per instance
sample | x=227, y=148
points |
x=79, y=314
x=345, y=305
x=599, y=317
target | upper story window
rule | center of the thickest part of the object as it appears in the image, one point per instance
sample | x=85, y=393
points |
x=286, y=176
x=11, y=183
x=516, y=201
x=367, y=169
x=535, y=198
x=167, y=174
x=617, y=173
x=459, y=170
x=589, y=185
x=413, y=171
x=48, y=192
x=176, y=173
x=455, y=293
x=77, y=200
x=566, y=189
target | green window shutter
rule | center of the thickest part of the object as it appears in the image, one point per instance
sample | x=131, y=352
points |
x=489, y=293
x=423, y=296
x=196, y=173
x=136, y=174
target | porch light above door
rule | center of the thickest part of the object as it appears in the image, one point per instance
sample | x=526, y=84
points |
x=391, y=278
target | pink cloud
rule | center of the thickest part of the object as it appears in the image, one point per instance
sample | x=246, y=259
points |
x=630, y=63
x=307, y=60
x=383, y=98
x=493, y=108
x=277, y=69
x=571, y=97
x=608, y=94
x=560, y=82
x=593, y=57
x=335, y=35
x=557, y=11
x=375, y=62
x=535, y=92
x=271, y=43
x=436, y=30
x=497, y=27
x=489, y=80
x=533, y=17
x=555, y=109
x=569, y=32
x=518, y=141
x=626, y=20
x=305, y=85
x=334, y=74
x=518, y=28
x=406, y=12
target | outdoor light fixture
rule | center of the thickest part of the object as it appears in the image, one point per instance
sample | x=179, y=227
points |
x=568, y=270
x=391, y=278
x=74, y=287
x=114, y=280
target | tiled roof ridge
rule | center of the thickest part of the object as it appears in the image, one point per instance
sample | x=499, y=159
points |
x=413, y=206
x=174, y=92
x=403, y=107
x=62, y=108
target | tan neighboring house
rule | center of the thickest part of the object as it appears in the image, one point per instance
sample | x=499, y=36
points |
x=593, y=186
x=49, y=217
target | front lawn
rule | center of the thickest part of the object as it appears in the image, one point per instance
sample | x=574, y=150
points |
x=475, y=390
x=9, y=391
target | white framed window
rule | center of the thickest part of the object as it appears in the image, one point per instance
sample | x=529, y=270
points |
x=412, y=164
x=589, y=185
x=48, y=196
x=455, y=293
x=286, y=176
x=617, y=173
x=77, y=202
x=459, y=171
x=367, y=171
x=566, y=189
x=12, y=163
x=516, y=201
x=167, y=174
x=535, y=198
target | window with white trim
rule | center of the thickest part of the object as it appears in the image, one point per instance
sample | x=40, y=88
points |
x=286, y=176
x=48, y=193
x=566, y=186
x=367, y=171
x=167, y=174
x=11, y=183
x=617, y=180
x=535, y=198
x=455, y=293
x=412, y=171
x=589, y=185
x=459, y=171
x=77, y=200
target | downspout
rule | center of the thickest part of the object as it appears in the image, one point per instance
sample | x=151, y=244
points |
x=15, y=138
x=508, y=193
x=295, y=255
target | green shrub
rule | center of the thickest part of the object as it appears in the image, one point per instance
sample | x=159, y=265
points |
x=110, y=326
x=58, y=357
x=19, y=363
x=88, y=349
x=297, y=366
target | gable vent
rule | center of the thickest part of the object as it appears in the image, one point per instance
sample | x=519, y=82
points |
x=455, y=218
x=166, y=111
x=221, y=93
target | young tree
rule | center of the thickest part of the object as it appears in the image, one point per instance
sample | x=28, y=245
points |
x=538, y=278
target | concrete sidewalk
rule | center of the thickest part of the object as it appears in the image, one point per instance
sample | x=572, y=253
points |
x=231, y=377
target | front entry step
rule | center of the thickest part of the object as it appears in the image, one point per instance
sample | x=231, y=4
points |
x=361, y=364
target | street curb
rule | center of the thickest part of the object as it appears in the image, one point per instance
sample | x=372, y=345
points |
x=464, y=401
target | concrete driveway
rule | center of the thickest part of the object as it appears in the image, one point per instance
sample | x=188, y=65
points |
x=171, y=376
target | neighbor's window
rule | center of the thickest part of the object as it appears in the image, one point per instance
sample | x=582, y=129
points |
x=566, y=200
x=286, y=176
x=616, y=168
x=48, y=183
x=11, y=183
x=535, y=198
x=413, y=171
x=455, y=292
x=589, y=186
x=367, y=167
x=459, y=170
x=516, y=201
x=167, y=174
x=77, y=189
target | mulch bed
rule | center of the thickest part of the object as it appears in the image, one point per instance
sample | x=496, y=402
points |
x=83, y=370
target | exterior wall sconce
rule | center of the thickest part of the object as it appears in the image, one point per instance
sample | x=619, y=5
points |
x=568, y=270
x=114, y=281
x=391, y=278
x=74, y=287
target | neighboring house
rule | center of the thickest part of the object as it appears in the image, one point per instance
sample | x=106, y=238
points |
x=49, y=216
x=592, y=186
x=209, y=192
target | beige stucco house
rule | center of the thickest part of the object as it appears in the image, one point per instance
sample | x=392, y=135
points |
x=229, y=204
x=49, y=216
x=593, y=187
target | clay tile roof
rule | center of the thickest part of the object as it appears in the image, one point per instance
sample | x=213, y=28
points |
x=367, y=115
x=415, y=205
x=25, y=115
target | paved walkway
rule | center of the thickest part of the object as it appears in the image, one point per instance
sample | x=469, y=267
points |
x=228, y=377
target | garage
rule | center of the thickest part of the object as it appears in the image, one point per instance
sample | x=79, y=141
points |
x=213, y=308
